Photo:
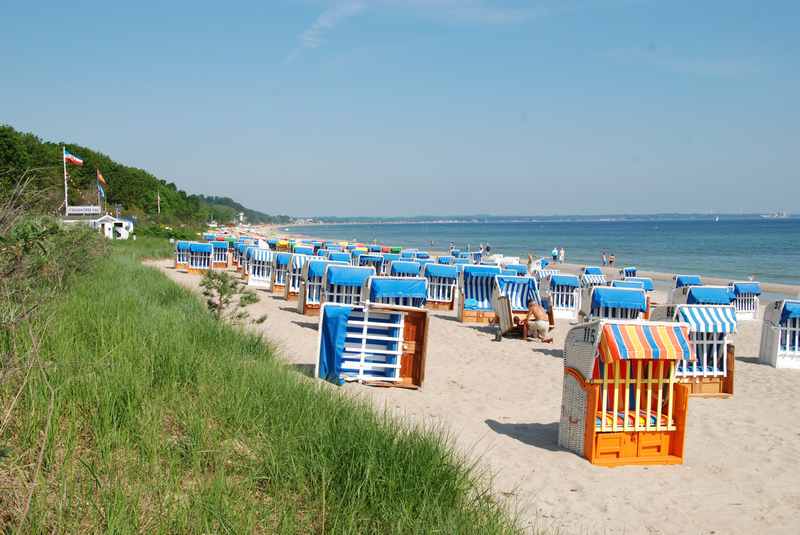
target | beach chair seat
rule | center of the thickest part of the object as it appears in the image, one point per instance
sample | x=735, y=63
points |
x=620, y=402
x=476, y=284
x=378, y=345
x=780, y=335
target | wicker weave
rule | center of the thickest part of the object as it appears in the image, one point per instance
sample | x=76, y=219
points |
x=571, y=428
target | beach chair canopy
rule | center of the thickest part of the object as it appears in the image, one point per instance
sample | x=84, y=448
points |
x=480, y=271
x=564, y=280
x=441, y=271
x=304, y=249
x=709, y=295
x=707, y=319
x=249, y=251
x=687, y=280
x=463, y=261
x=182, y=246
x=376, y=258
x=446, y=260
x=220, y=245
x=282, y=259
x=348, y=275
x=407, y=253
x=200, y=248
x=321, y=252
x=339, y=256
x=389, y=288
x=422, y=255
x=316, y=268
x=518, y=269
x=401, y=267
x=647, y=283
x=592, y=270
x=641, y=341
x=629, y=271
x=391, y=257
x=375, y=248
x=791, y=310
x=630, y=299
x=637, y=285
x=746, y=288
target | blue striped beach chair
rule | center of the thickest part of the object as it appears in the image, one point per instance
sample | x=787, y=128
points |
x=343, y=284
x=373, y=260
x=404, y=268
x=780, y=334
x=310, y=296
x=396, y=291
x=646, y=282
x=511, y=300
x=294, y=275
x=280, y=270
x=592, y=276
x=746, y=299
x=628, y=271
x=182, y=255
x=605, y=302
x=476, y=284
x=442, y=285
x=200, y=255
x=564, y=295
x=372, y=344
x=259, y=268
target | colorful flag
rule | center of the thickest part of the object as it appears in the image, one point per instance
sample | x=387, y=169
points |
x=100, y=178
x=100, y=190
x=71, y=158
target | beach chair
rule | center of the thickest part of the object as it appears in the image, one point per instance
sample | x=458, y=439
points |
x=373, y=260
x=396, y=291
x=219, y=258
x=182, y=255
x=375, y=248
x=280, y=270
x=564, y=295
x=780, y=334
x=681, y=282
x=541, y=275
x=442, y=286
x=446, y=260
x=710, y=372
x=702, y=295
x=307, y=250
x=510, y=301
x=746, y=301
x=343, y=284
x=284, y=246
x=404, y=268
x=592, y=276
x=629, y=271
x=388, y=258
x=520, y=270
x=475, y=286
x=631, y=284
x=422, y=255
x=378, y=345
x=340, y=256
x=273, y=244
x=200, y=255
x=408, y=254
x=605, y=302
x=646, y=282
x=259, y=269
x=463, y=262
x=621, y=403
x=310, y=296
x=294, y=275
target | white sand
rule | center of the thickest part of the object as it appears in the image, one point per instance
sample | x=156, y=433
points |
x=500, y=401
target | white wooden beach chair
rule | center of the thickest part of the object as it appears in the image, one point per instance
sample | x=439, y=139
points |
x=294, y=274
x=396, y=291
x=182, y=255
x=200, y=255
x=780, y=334
x=564, y=295
x=280, y=270
x=343, y=284
x=746, y=299
x=606, y=302
x=475, y=293
x=592, y=276
x=442, y=286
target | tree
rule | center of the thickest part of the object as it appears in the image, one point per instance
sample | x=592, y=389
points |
x=227, y=297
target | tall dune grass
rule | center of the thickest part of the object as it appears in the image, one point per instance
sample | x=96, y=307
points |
x=141, y=414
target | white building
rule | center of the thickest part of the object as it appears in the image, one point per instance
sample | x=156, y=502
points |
x=113, y=228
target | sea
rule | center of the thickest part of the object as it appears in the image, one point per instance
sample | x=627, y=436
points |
x=738, y=248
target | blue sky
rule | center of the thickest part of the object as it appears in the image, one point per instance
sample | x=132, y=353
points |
x=403, y=107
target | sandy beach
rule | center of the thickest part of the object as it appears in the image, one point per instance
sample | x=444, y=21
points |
x=500, y=403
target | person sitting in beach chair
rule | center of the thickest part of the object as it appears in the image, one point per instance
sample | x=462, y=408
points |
x=538, y=322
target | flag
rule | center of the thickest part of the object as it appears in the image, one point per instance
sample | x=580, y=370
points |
x=100, y=178
x=71, y=158
x=100, y=190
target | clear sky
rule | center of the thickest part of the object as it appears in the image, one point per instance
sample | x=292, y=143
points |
x=404, y=107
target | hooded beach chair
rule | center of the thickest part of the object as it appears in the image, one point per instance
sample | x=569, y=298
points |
x=605, y=302
x=631, y=284
x=273, y=244
x=388, y=258
x=259, y=268
x=702, y=295
x=745, y=294
x=404, y=268
x=343, y=284
x=422, y=255
x=408, y=254
x=379, y=345
x=284, y=246
x=310, y=296
x=374, y=260
x=780, y=334
x=463, y=262
x=219, y=259
x=519, y=270
x=621, y=403
x=592, y=276
x=681, y=282
x=564, y=295
x=442, y=286
x=340, y=256
x=511, y=299
x=280, y=270
x=646, y=282
x=710, y=372
x=182, y=255
x=200, y=255
x=475, y=286
x=396, y=291
x=294, y=275
x=446, y=260
x=307, y=250
x=629, y=271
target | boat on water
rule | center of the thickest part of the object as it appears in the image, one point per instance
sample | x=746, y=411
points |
x=775, y=215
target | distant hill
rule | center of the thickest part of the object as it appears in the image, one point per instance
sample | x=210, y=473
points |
x=135, y=189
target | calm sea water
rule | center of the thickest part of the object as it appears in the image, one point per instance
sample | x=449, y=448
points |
x=736, y=248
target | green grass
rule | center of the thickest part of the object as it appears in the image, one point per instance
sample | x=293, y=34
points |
x=153, y=418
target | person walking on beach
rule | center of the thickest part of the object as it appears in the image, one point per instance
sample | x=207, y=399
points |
x=604, y=258
x=611, y=259
x=538, y=323
x=562, y=255
x=554, y=254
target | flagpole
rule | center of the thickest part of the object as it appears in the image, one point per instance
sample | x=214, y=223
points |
x=64, y=163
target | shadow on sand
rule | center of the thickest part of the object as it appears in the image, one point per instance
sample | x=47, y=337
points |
x=304, y=369
x=306, y=324
x=544, y=436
